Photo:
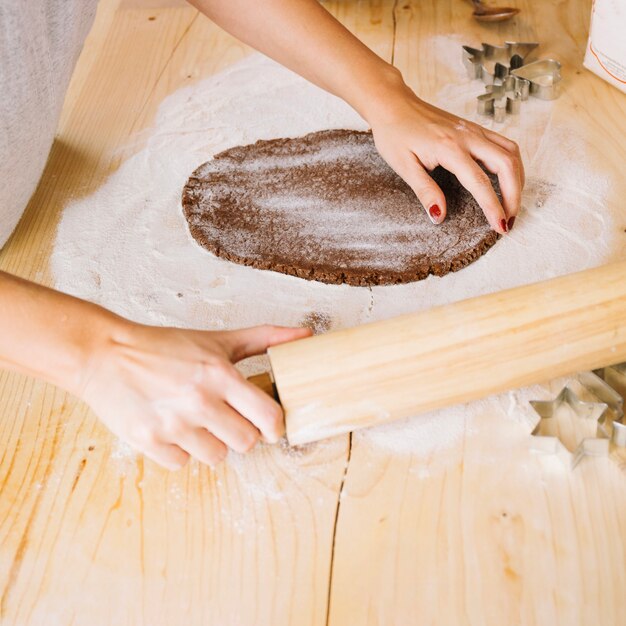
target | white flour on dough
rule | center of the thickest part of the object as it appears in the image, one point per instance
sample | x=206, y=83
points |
x=127, y=247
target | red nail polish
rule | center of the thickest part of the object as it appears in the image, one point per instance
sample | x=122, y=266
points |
x=511, y=222
x=503, y=226
x=435, y=212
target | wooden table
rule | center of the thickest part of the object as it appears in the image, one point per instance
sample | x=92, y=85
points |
x=337, y=534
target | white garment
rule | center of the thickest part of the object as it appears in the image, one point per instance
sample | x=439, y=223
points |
x=40, y=41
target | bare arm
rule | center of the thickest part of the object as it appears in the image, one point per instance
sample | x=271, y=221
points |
x=303, y=36
x=47, y=334
x=411, y=135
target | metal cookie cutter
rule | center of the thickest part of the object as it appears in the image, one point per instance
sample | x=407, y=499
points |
x=544, y=77
x=491, y=63
x=503, y=98
x=605, y=408
x=615, y=378
x=548, y=412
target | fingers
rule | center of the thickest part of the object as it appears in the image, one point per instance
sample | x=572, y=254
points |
x=195, y=442
x=170, y=456
x=474, y=179
x=257, y=407
x=505, y=166
x=426, y=189
x=241, y=344
x=203, y=445
x=247, y=413
x=229, y=426
x=510, y=146
x=205, y=434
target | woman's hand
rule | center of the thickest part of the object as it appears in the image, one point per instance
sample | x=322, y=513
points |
x=173, y=393
x=414, y=137
x=169, y=393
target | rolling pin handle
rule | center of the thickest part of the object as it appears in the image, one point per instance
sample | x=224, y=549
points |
x=265, y=383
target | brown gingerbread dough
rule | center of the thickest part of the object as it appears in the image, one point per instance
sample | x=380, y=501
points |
x=327, y=207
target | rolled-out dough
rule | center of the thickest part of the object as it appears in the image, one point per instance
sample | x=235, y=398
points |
x=327, y=207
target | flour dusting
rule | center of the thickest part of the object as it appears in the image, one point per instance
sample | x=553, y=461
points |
x=127, y=246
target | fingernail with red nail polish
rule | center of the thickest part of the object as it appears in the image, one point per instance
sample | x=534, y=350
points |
x=435, y=213
x=511, y=222
x=503, y=226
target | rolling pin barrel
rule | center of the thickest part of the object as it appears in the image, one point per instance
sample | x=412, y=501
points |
x=388, y=370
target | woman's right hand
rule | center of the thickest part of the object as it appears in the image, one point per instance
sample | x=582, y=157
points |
x=173, y=393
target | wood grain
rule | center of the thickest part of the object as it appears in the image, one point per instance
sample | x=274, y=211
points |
x=482, y=533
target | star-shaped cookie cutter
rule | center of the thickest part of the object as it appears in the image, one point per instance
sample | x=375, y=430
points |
x=491, y=63
x=607, y=412
x=587, y=446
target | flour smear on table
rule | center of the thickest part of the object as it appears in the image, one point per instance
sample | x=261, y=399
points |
x=127, y=246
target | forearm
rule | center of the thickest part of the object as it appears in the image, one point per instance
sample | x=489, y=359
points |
x=306, y=38
x=47, y=334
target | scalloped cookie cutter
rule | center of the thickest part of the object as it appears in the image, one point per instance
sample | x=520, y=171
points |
x=544, y=78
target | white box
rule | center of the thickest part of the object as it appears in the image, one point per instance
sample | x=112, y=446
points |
x=606, y=48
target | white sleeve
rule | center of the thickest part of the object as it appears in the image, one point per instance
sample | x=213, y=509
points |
x=40, y=41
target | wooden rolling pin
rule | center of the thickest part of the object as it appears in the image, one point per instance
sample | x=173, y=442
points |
x=379, y=372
